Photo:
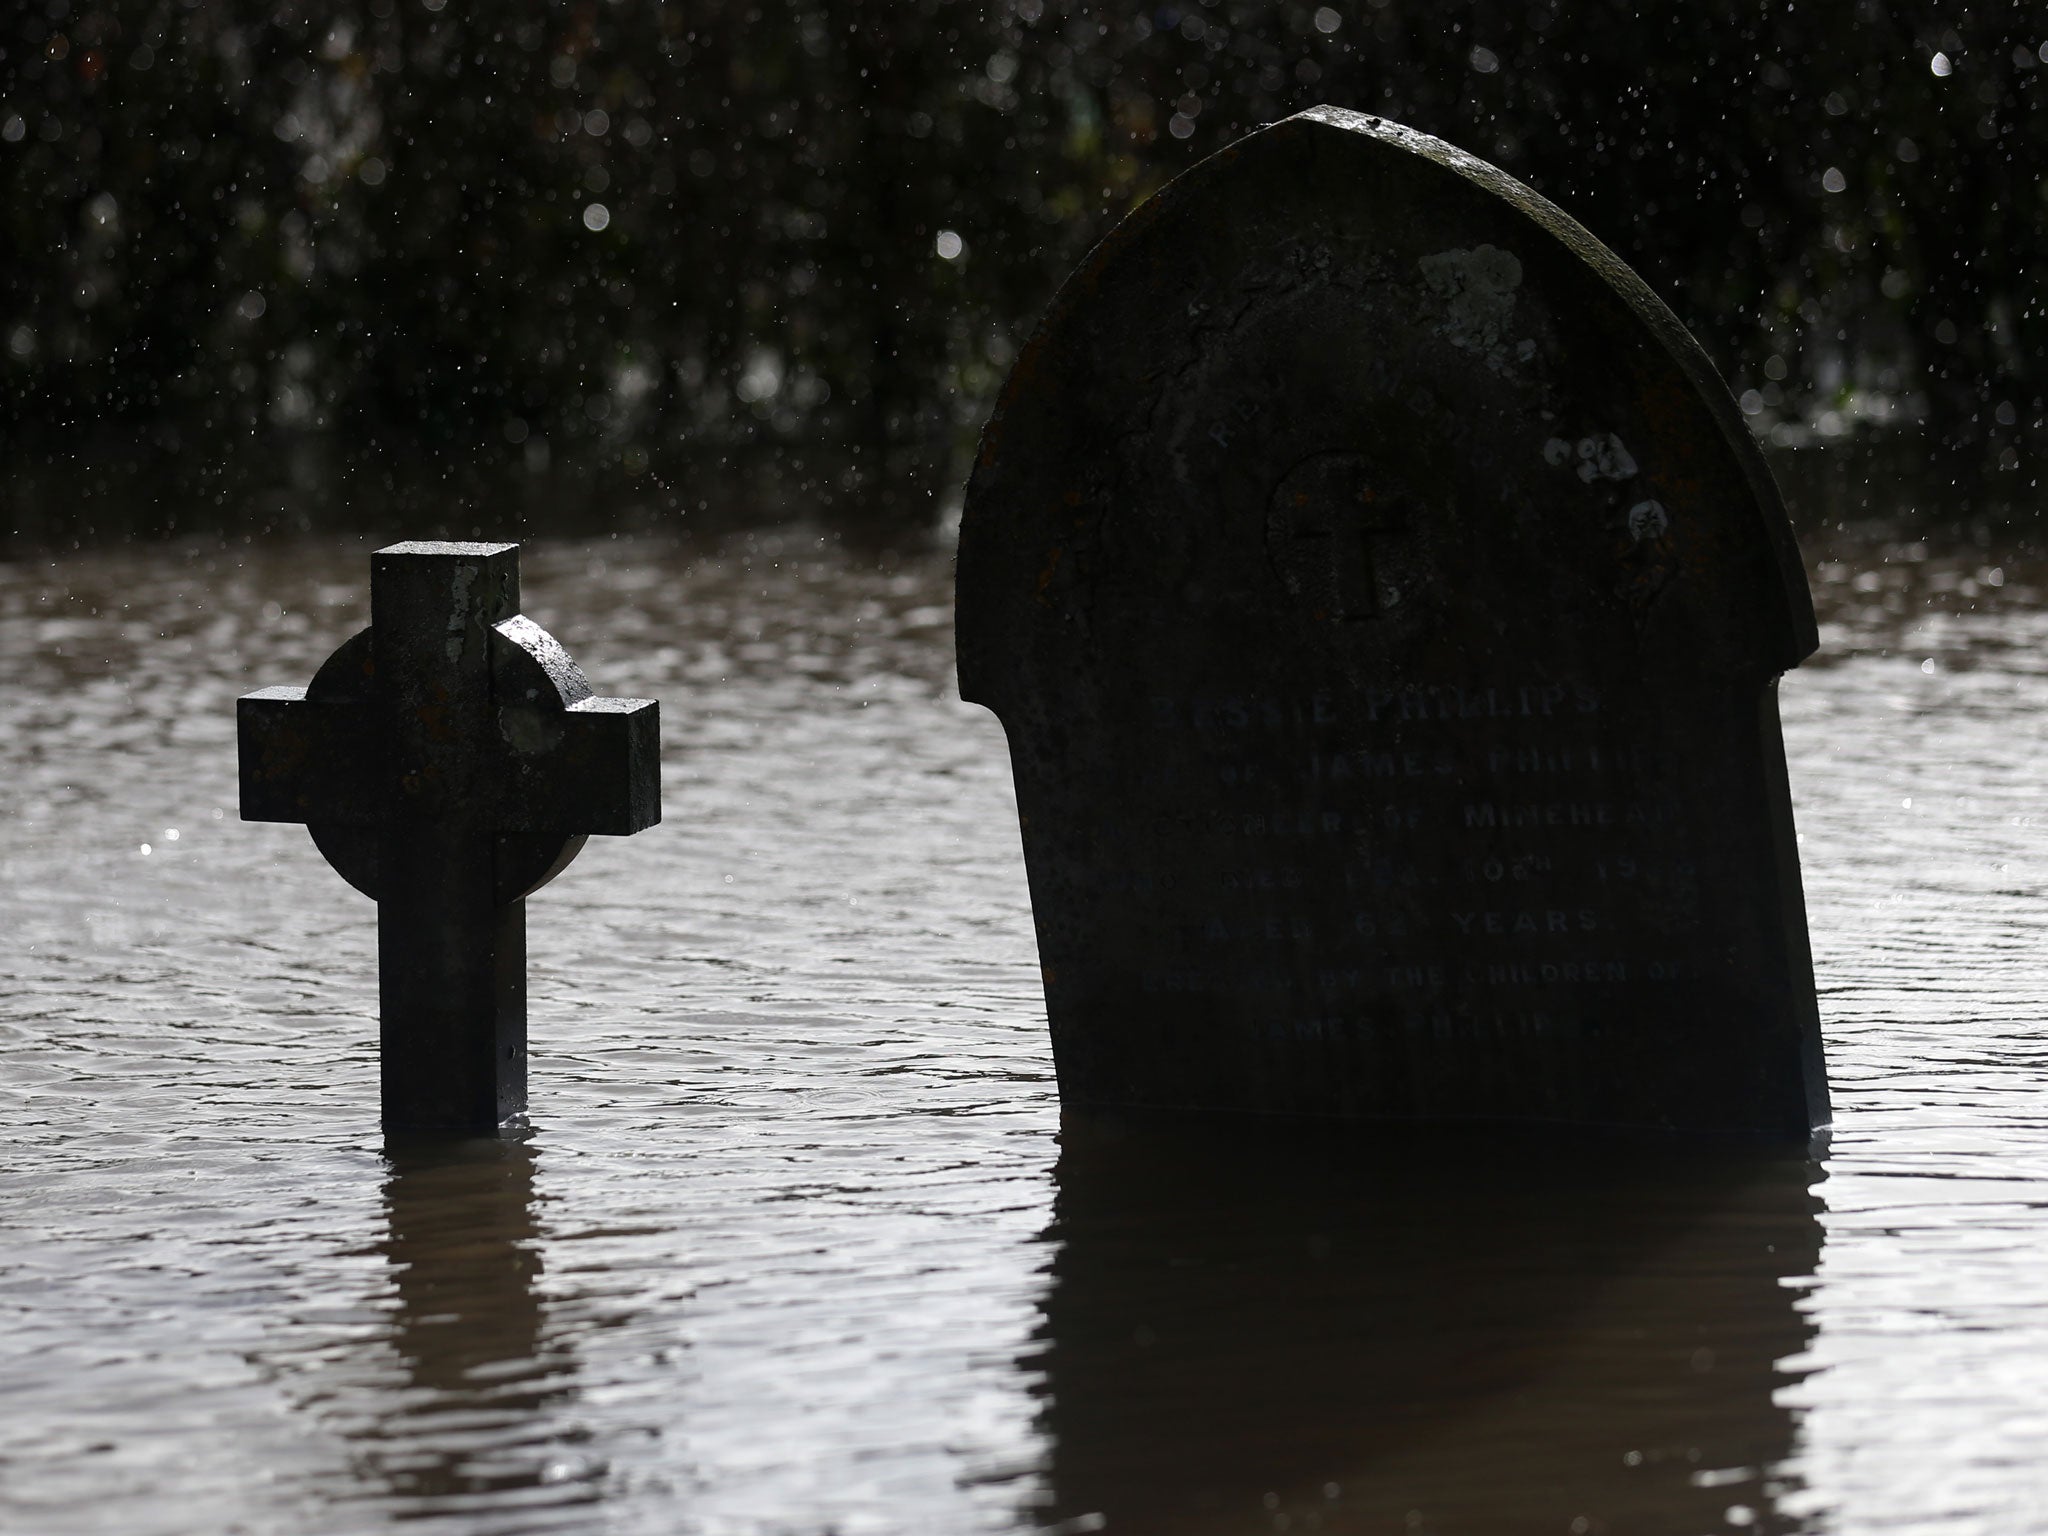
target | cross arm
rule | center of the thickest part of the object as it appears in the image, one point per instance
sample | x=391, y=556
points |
x=612, y=747
x=306, y=759
x=573, y=763
x=590, y=766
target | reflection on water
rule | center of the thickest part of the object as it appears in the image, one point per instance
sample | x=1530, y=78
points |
x=481, y=1366
x=1248, y=1323
x=798, y=1243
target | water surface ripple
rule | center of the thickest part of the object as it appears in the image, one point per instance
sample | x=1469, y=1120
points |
x=795, y=1244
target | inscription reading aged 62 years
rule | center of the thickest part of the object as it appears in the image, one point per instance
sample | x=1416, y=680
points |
x=1385, y=605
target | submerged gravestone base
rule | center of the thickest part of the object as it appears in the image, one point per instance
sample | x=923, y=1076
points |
x=1384, y=603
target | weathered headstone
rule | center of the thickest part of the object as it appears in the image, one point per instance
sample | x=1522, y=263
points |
x=450, y=760
x=1384, y=602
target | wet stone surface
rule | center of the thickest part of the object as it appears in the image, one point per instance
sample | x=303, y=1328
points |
x=449, y=760
x=1384, y=603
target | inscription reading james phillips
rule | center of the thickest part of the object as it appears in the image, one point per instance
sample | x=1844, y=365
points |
x=1385, y=603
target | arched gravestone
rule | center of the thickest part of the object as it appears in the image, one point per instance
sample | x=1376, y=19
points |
x=1384, y=603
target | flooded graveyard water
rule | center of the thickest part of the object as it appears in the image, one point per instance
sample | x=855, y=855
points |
x=796, y=1243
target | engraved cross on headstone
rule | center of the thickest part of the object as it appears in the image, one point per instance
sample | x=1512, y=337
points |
x=449, y=760
x=1324, y=526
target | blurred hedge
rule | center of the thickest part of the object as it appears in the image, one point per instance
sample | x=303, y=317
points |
x=589, y=260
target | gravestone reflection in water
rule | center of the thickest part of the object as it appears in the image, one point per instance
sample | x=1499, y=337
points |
x=1384, y=603
x=449, y=761
x=1318, y=1330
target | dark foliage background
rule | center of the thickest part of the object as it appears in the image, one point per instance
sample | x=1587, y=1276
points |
x=554, y=261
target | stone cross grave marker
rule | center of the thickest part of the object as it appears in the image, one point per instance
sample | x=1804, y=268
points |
x=1384, y=602
x=450, y=760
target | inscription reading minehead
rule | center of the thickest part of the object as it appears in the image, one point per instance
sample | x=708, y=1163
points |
x=1384, y=602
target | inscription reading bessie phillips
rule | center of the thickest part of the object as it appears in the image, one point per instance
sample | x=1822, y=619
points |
x=1384, y=602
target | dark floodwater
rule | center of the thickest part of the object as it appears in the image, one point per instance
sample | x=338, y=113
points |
x=796, y=1244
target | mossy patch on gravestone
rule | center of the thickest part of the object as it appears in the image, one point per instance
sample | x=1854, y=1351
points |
x=1384, y=603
